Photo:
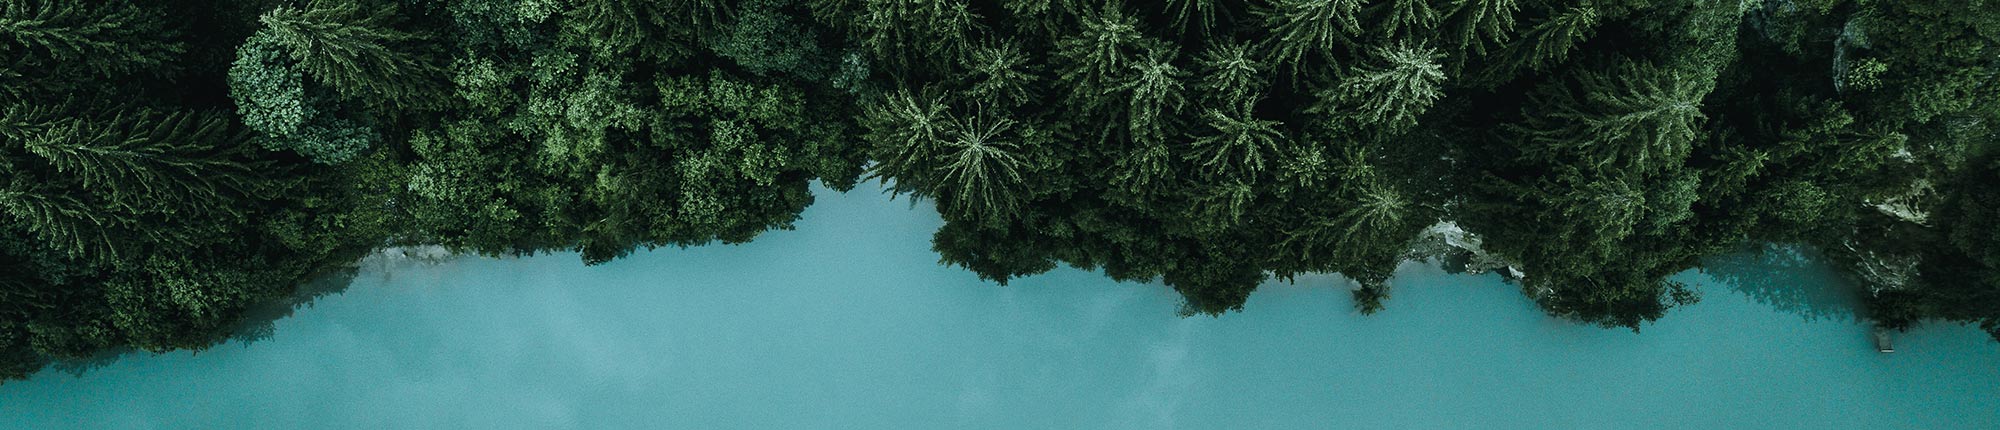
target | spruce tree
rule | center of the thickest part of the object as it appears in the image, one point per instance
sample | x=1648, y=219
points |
x=108, y=38
x=353, y=49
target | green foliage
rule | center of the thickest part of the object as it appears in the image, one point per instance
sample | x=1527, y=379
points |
x=109, y=38
x=905, y=34
x=1309, y=30
x=142, y=167
x=1153, y=94
x=270, y=91
x=603, y=147
x=973, y=162
x=1001, y=75
x=1197, y=15
x=1550, y=40
x=1231, y=71
x=764, y=40
x=351, y=47
x=1390, y=95
x=1635, y=117
x=1236, y=142
x=1587, y=150
x=132, y=214
x=1473, y=25
x=1405, y=17
x=1099, y=56
x=301, y=80
x=981, y=170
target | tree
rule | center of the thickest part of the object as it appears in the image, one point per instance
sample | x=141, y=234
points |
x=1235, y=143
x=1472, y=25
x=1389, y=96
x=764, y=40
x=1636, y=117
x=1002, y=75
x=1153, y=95
x=1092, y=63
x=1548, y=42
x=144, y=166
x=905, y=36
x=1309, y=30
x=106, y=38
x=981, y=170
x=351, y=47
x=1231, y=72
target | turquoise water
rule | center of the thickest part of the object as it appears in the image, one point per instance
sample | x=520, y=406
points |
x=848, y=322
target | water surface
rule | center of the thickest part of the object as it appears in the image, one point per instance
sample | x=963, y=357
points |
x=848, y=322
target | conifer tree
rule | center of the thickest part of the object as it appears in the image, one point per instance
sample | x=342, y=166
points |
x=112, y=177
x=1471, y=26
x=906, y=133
x=1390, y=95
x=1548, y=42
x=1002, y=75
x=1635, y=118
x=1231, y=72
x=981, y=174
x=351, y=47
x=1401, y=18
x=107, y=38
x=1236, y=144
x=1154, y=95
x=906, y=35
x=1309, y=30
x=1197, y=15
x=1101, y=56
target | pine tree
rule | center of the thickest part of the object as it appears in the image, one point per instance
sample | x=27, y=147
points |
x=1309, y=30
x=905, y=133
x=108, y=38
x=1197, y=16
x=1389, y=95
x=1092, y=62
x=1154, y=95
x=982, y=173
x=72, y=227
x=1636, y=117
x=906, y=35
x=119, y=174
x=1002, y=75
x=1473, y=25
x=352, y=48
x=1237, y=144
x=1549, y=42
x=1402, y=18
x=184, y=162
x=1231, y=72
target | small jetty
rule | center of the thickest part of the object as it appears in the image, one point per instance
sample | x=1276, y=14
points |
x=1882, y=341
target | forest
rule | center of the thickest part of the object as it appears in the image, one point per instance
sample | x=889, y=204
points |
x=171, y=166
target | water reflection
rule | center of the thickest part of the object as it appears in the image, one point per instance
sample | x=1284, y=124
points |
x=1791, y=278
x=260, y=322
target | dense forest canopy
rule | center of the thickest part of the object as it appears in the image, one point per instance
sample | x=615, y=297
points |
x=171, y=165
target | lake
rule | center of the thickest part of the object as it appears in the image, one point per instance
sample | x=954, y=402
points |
x=849, y=322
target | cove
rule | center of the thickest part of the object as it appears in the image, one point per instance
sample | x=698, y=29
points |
x=849, y=322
